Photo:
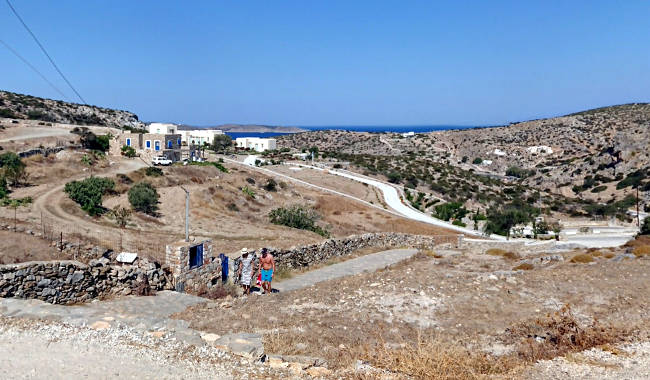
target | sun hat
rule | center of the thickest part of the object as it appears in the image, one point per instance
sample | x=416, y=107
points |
x=244, y=250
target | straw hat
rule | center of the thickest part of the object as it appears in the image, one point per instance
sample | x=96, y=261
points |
x=244, y=250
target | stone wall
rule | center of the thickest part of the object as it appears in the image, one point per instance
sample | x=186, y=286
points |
x=197, y=279
x=480, y=245
x=304, y=256
x=68, y=282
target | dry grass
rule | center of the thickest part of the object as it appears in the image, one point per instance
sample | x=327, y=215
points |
x=582, y=258
x=641, y=250
x=503, y=253
x=434, y=358
x=524, y=266
x=560, y=333
x=219, y=291
x=609, y=255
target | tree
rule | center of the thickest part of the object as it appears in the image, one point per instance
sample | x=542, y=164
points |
x=3, y=187
x=91, y=141
x=89, y=192
x=128, y=151
x=221, y=142
x=500, y=221
x=122, y=215
x=394, y=177
x=314, y=151
x=144, y=197
x=13, y=168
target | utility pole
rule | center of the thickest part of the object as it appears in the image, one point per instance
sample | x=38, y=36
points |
x=638, y=220
x=187, y=214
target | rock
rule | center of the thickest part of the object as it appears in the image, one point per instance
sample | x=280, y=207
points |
x=100, y=325
x=318, y=371
x=210, y=338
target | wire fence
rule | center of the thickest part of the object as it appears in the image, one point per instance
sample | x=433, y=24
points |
x=83, y=238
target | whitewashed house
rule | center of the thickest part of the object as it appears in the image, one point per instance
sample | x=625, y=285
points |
x=255, y=143
x=499, y=152
x=199, y=136
x=163, y=128
x=541, y=149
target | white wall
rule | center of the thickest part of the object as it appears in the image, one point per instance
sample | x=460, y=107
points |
x=256, y=143
x=163, y=128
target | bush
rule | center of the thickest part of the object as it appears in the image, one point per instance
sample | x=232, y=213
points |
x=144, y=197
x=477, y=161
x=518, y=172
x=271, y=185
x=394, y=177
x=5, y=112
x=89, y=192
x=599, y=189
x=13, y=168
x=642, y=250
x=221, y=142
x=458, y=223
x=128, y=151
x=122, y=215
x=152, y=171
x=582, y=258
x=297, y=216
x=3, y=187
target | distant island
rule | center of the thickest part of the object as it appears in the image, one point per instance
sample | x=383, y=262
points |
x=248, y=128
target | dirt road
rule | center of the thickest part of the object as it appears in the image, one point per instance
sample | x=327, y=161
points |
x=32, y=133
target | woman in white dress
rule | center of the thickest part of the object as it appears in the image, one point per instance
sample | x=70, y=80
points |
x=246, y=270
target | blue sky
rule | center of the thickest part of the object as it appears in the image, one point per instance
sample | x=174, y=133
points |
x=335, y=62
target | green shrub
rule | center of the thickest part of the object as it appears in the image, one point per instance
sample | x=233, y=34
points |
x=458, y=223
x=13, y=168
x=144, y=197
x=248, y=191
x=88, y=193
x=645, y=227
x=451, y=210
x=394, y=177
x=3, y=187
x=477, y=161
x=152, y=171
x=598, y=189
x=128, y=151
x=297, y=216
x=5, y=112
x=221, y=143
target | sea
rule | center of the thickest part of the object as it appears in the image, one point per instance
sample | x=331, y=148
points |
x=359, y=128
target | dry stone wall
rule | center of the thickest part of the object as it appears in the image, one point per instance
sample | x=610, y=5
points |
x=305, y=256
x=68, y=282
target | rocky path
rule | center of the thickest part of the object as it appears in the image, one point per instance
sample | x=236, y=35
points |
x=367, y=263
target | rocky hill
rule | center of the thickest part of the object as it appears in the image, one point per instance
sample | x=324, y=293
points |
x=599, y=155
x=19, y=106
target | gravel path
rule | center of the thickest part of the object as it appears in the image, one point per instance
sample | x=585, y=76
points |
x=36, y=132
x=367, y=263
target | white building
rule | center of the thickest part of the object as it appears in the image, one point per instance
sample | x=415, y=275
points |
x=541, y=149
x=163, y=128
x=408, y=134
x=199, y=136
x=499, y=152
x=255, y=143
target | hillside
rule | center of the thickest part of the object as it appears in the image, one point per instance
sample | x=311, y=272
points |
x=567, y=163
x=19, y=106
x=248, y=128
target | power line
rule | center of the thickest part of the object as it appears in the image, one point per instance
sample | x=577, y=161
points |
x=45, y=52
x=34, y=69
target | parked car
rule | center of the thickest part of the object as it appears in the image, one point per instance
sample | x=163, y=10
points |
x=161, y=160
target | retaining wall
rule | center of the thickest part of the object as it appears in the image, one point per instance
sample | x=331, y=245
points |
x=68, y=282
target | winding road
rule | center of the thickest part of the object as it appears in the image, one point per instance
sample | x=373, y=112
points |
x=390, y=193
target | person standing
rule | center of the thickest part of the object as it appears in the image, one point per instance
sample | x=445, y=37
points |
x=246, y=270
x=267, y=269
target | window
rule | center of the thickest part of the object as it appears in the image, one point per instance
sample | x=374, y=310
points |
x=170, y=144
x=147, y=144
x=128, y=142
x=196, y=256
x=156, y=145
